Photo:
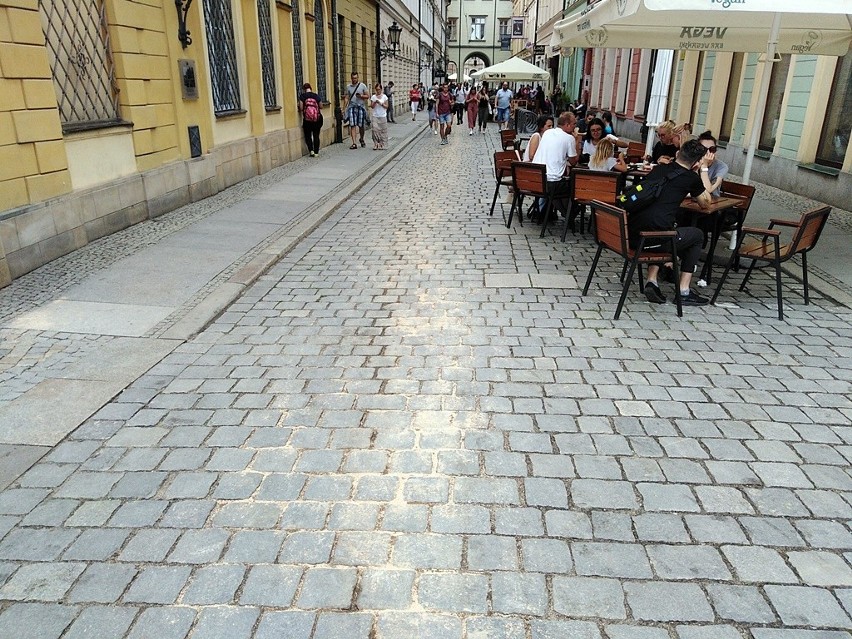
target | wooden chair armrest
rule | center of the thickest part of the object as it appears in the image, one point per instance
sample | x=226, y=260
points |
x=755, y=231
x=783, y=222
x=658, y=234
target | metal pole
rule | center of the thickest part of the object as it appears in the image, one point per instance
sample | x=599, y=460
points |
x=337, y=64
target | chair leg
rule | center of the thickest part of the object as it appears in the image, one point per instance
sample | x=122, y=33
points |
x=778, y=277
x=548, y=208
x=512, y=210
x=627, y=282
x=640, y=279
x=521, y=209
x=592, y=270
x=494, y=199
x=722, y=279
x=805, y=275
x=624, y=270
x=748, y=274
x=676, y=269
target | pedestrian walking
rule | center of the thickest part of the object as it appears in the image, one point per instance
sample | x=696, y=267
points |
x=431, y=101
x=414, y=97
x=389, y=91
x=444, y=107
x=356, y=110
x=484, y=108
x=472, y=106
x=459, y=106
x=379, y=103
x=309, y=107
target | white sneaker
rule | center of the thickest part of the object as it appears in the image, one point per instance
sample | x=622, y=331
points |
x=470, y=131
x=434, y=132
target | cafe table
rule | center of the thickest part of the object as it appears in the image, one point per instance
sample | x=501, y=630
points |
x=718, y=205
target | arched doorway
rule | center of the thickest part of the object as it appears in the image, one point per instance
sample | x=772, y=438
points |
x=475, y=61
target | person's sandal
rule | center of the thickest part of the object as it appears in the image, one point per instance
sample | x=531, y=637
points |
x=354, y=146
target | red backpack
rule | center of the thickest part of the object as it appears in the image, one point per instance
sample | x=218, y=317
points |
x=312, y=110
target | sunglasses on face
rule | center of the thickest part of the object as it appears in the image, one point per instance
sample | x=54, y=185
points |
x=710, y=149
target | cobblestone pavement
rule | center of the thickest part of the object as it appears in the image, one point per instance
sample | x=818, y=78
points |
x=388, y=437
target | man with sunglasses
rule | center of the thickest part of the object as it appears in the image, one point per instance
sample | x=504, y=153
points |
x=716, y=169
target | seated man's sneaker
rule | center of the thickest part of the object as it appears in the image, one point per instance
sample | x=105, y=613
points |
x=694, y=299
x=654, y=294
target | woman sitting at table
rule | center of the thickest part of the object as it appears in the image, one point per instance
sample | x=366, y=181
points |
x=604, y=158
x=717, y=169
x=594, y=134
x=544, y=123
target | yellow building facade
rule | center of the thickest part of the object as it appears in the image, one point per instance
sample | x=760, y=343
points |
x=107, y=119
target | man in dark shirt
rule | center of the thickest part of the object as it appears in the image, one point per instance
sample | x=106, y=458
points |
x=689, y=174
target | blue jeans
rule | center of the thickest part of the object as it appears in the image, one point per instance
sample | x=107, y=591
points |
x=502, y=114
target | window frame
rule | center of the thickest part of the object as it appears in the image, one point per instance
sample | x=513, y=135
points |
x=769, y=109
x=474, y=23
x=844, y=62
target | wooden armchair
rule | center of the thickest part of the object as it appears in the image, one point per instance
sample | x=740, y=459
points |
x=530, y=179
x=588, y=185
x=610, y=223
x=508, y=139
x=635, y=152
x=502, y=173
x=764, y=245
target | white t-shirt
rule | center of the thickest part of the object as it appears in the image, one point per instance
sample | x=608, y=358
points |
x=589, y=148
x=606, y=166
x=534, y=136
x=555, y=148
x=461, y=95
x=380, y=110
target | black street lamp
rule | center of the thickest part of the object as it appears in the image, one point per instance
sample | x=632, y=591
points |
x=428, y=58
x=392, y=46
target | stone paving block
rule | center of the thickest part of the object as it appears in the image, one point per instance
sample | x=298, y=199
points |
x=540, y=491
x=457, y=519
x=96, y=544
x=104, y=622
x=779, y=502
x=199, y=547
x=708, y=632
x=715, y=529
x=821, y=568
x=688, y=562
x=41, y=582
x=270, y=586
x=568, y=524
x=362, y=549
x=281, y=487
x=158, y=585
x=307, y=547
x=149, y=545
x=332, y=625
x=494, y=628
x=381, y=589
x=473, y=490
x=237, y=486
x=226, y=622
x=102, y=583
x=783, y=633
x=594, y=493
x=723, y=499
x=38, y=620
x=138, y=514
x=492, y=552
x=405, y=518
x=214, y=585
x=610, y=560
x=804, y=606
x=505, y=464
x=546, y=555
x=744, y=604
x=392, y=625
x=327, y=588
x=247, y=515
x=523, y=594
x=666, y=601
x=612, y=526
x=432, y=490
x=588, y=597
x=668, y=498
x=824, y=534
x=541, y=629
x=518, y=521
x=293, y=624
x=597, y=467
x=49, y=513
x=660, y=527
x=771, y=531
x=353, y=516
x=453, y=592
x=187, y=514
x=304, y=516
x=760, y=565
x=35, y=544
x=636, y=632
x=254, y=546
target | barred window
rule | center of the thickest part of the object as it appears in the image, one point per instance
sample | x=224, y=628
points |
x=297, y=47
x=267, y=56
x=319, y=32
x=81, y=63
x=222, y=55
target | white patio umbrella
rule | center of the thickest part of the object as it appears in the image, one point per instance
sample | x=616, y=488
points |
x=513, y=70
x=819, y=27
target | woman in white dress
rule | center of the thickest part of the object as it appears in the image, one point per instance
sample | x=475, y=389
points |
x=379, y=104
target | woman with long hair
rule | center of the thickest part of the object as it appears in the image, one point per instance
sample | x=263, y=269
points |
x=604, y=158
x=544, y=123
x=472, y=105
x=484, y=108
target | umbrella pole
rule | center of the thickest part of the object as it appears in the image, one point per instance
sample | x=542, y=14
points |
x=760, y=107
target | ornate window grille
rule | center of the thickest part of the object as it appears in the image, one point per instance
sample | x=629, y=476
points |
x=81, y=63
x=297, y=47
x=267, y=55
x=319, y=31
x=222, y=55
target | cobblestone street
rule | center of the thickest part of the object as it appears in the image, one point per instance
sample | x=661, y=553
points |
x=413, y=426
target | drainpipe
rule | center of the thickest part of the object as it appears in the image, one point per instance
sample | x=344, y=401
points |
x=378, y=44
x=337, y=64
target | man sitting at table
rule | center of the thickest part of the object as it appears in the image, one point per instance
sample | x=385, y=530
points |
x=557, y=149
x=690, y=178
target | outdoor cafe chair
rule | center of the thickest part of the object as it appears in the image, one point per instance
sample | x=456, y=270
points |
x=635, y=152
x=502, y=173
x=588, y=185
x=610, y=224
x=530, y=179
x=509, y=139
x=764, y=245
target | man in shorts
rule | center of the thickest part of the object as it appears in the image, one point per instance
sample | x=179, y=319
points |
x=356, y=110
x=503, y=102
x=444, y=106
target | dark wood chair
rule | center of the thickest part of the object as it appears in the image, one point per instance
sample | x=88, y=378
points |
x=610, y=224
x=729, y=220
x=635, y=152
x=764, y=245
x=530, y=179
x=509, y=139
x=588, y=185
x=502, y=173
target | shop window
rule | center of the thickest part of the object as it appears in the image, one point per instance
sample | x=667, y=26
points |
x=319, y=27
x=774, y=99
x=834, y=140
x=222, y=55
x=267, y=56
